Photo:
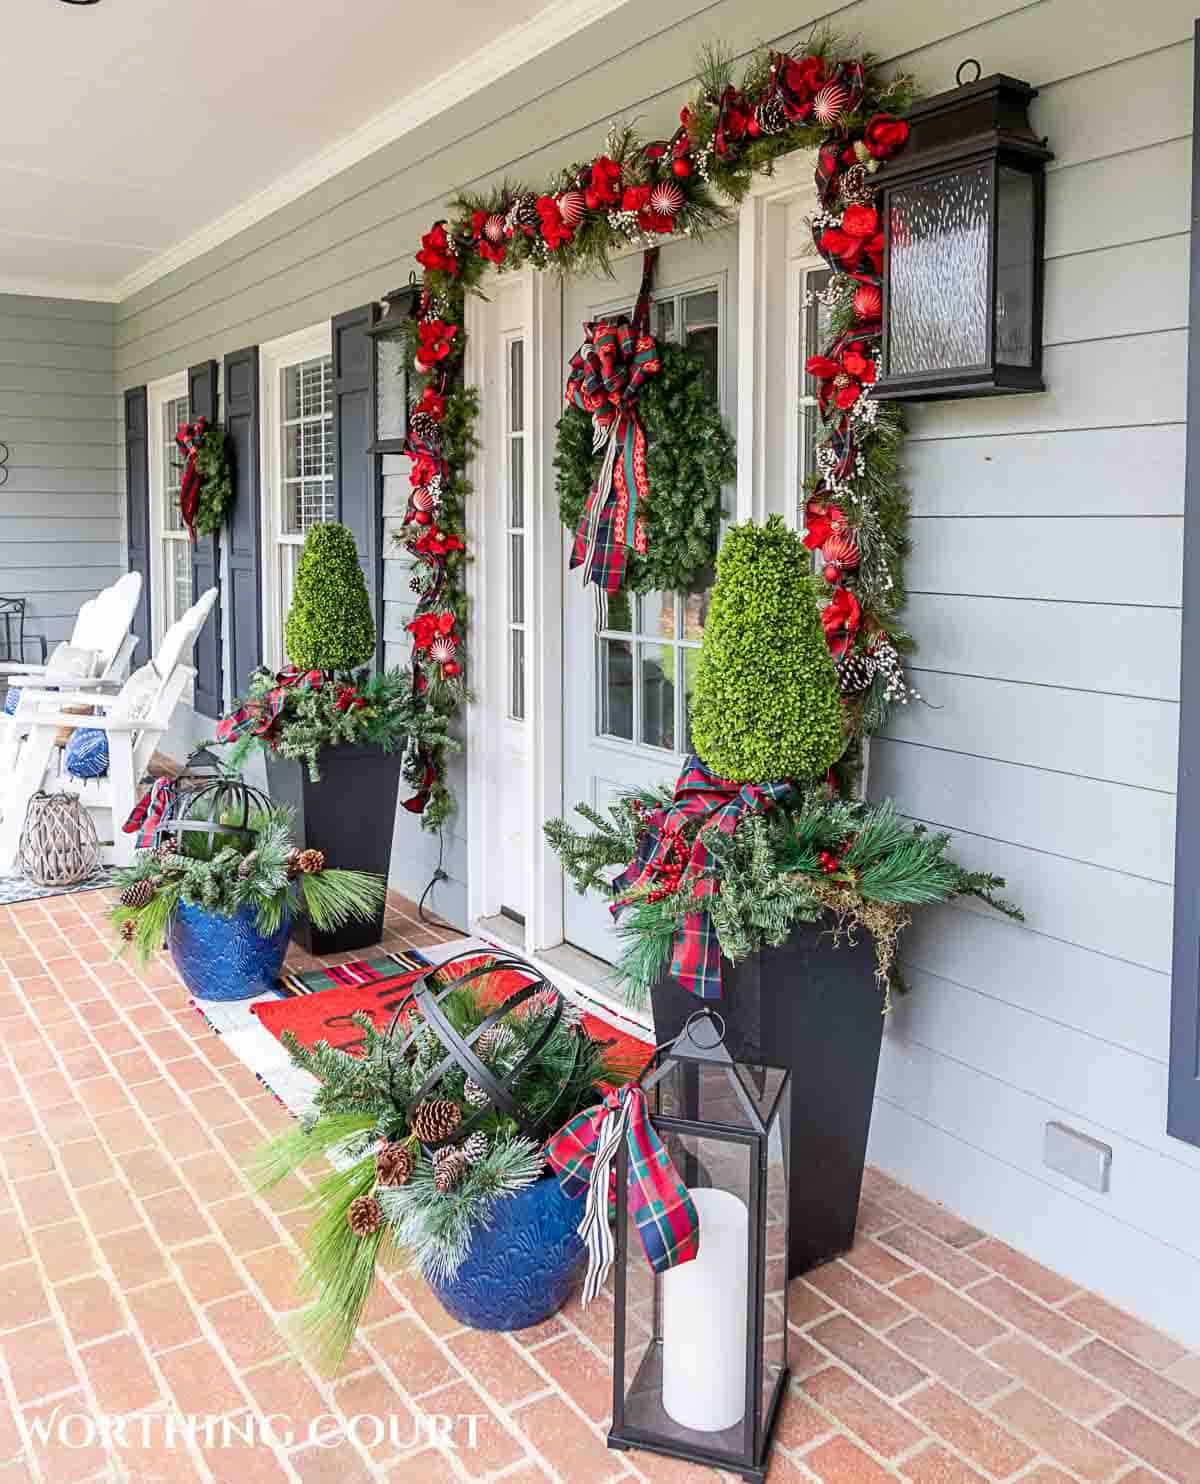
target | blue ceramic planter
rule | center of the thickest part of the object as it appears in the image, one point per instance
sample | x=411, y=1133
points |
x=521, y=1269
x=226, y=958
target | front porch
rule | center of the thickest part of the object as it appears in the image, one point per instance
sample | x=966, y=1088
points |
x=139, y=1277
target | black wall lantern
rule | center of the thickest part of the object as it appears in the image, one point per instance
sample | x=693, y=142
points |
x=963, y=209
x=700, y=1352
x=390, y=371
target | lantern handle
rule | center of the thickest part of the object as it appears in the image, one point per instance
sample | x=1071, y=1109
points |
x=968, y=62
x=698, y=1016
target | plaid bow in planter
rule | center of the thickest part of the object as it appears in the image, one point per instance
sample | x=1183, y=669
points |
x=259, y=716
x=583, y=1155
x=721, y=805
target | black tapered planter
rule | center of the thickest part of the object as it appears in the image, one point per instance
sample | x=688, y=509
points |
x=818, y=1011
x=350, y=815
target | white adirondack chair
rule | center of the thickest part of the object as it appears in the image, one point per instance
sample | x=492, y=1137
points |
x=135, y=720
x=101, y=627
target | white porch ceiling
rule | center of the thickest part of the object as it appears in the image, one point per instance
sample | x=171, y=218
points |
x=136, y=133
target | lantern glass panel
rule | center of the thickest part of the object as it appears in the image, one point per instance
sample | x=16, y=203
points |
x=391, y=388
x=1014, y=267
x=938, y=303
x=716, y=1092
x=774, y=1317
x=687, y=1330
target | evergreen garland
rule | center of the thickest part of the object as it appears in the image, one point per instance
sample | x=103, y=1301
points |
x=689, y=458
x=216, y=482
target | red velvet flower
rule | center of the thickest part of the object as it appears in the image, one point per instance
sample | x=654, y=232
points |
x=840, y=619
x=842, y=378
x=435, y=336
x=821, y=520
x=554, y=230
x=800, y=80
x=427, y=627
x=605, y=182
x=635, y=198
x=884, y=135
x=436, y=542
x=433, y=403
x=436, y=253
x=424, y=469
x=860, y=221
x=348, y=699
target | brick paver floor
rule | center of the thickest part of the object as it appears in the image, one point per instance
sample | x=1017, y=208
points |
x=140, y=1279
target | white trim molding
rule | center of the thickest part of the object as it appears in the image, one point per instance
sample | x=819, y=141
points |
x=555, y=24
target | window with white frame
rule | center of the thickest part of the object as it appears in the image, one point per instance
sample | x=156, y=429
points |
x=649, y=646
x=298, y=491
x=812, y=339
x=515, y=528
x=171, y=557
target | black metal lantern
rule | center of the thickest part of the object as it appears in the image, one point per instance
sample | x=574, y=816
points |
x=216, y=807
x=700, y=1355
x=390, y=371
x=963, y=208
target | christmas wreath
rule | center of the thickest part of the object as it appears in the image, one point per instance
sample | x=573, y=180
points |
x=206, y=487
x=689, y=458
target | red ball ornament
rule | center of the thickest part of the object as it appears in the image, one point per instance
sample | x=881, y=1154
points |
x=571, y=204
x=753, y=127
x=451, y=668
x=867, y=301
x=591, y=200
x=422, y=517
x=832, y=573
x=681, y=167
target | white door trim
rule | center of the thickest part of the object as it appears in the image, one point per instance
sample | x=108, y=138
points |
x=539, y=317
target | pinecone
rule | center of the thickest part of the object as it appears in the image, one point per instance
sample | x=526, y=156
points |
x=424, y=427
x=247, y=864
x=167, y=847
x=475, y=1095
x=523, y=213
x=434, y=1120
x=492, y=1042
x=855, y=673
x=394, y=1164
x=449, y=1166
x=364, y=1216
x=475, y=1147
x=128, y=928
x=311, y=861
x=137, y=894
x=770, y=115
x=292, y=864
x=856, y=188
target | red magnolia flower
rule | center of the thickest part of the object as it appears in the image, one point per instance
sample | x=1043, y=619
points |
x=554, y=230
x=492, y=251
x=637, y=199
x=842, y=378
x=436, y=253
x=884, y=135
x=840, y=619
x=821, y=520
x=856, y=254
x=433, y=403
x=604, y=184
x=425, y=469
x=427, y=627
x=800, y=80
x=348, y=699
x=435, y=336
x=860, y=221
x=436, y=542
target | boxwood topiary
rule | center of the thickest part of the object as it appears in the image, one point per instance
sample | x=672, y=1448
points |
x=767, y=703
x=329, y=625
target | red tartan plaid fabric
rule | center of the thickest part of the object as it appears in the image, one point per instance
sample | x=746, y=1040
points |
x=147, y=814
x=188, y=439
x=667, y=1222
x=261, y=719
x=721, y=805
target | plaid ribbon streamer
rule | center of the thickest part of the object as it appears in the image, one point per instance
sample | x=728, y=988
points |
x=583, y=1154
x=188, y=439
x=261, y=716
x=720, y=804
x=607, y=374
x=150, y=811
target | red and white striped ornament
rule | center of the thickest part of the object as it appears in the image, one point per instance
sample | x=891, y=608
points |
x=830, y=104
x=493, y=228
x=442, y=649
x=423, y=499
x=666, y=199
x=841, y=554
x=867, y=301
x=571, y=206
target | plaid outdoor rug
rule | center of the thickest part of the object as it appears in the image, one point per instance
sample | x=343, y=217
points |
x=358, y=971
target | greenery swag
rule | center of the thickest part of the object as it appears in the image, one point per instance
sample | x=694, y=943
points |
x=689, y=457
x=407, y=1176
x=224, y=872
x=639, y=194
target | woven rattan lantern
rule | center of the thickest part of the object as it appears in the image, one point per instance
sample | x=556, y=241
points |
x=58, y=843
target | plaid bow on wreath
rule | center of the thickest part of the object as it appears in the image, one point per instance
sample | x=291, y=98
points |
x=583, y=1155
x=721, y=805
x=608, y=372
x=188, y=439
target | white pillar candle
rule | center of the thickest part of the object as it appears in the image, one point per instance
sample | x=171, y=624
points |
x=704, y=1319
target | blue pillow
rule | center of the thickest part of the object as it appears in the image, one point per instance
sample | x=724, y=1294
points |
x=87, y=753
x=11, y=700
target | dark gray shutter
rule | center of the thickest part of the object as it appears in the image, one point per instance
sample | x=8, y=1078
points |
x=137, y=509
x=358, y=475
x=206, y=561
x=243, y=603
x=1183, y=1097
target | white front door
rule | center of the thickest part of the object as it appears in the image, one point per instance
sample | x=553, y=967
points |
x=626, y=688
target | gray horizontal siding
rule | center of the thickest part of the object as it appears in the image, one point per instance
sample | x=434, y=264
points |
x=1045, y=585
x=60, y=517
